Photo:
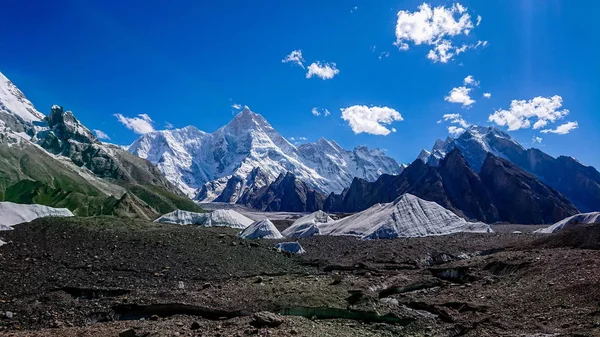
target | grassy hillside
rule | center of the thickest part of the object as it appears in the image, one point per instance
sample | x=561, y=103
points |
x=30, y=175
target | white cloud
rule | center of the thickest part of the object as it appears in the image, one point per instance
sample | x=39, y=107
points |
x=319, y=112
x=353, y=9
x=324, y=71
x=544, y=109
x=302, y=138
x=470, y=80
x=384, y=54
x=487, y=94
x=362, y=118
x=140, y=125
x=101, y=134
x=455, y=131
x=237, y=106
x=295, y=57
x=435, y=27
x=536, y=140
x=455, y=119
x=168, y=125
x=563, y=129
x=460, y=95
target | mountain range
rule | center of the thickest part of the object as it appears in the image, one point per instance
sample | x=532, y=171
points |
x=483, y=174
x=248, y=154
x=56, y=161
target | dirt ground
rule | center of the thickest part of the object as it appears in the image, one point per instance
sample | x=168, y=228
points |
x=112, y=277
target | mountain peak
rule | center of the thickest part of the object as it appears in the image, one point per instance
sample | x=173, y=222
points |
x=14, y=102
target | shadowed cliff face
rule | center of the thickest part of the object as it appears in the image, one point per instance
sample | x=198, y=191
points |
x=455, y=186
x=520, y=197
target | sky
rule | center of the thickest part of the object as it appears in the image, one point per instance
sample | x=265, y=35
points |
x=395, y=75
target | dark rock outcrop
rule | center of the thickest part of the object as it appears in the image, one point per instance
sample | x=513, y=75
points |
x=286, y=193
x=455, y=186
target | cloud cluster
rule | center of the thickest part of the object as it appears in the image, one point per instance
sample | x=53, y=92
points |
x=487, y=95
x=141, y=124
x=470, y=80
x=563, y=129
x=325, y=71
x=101, y=134
x=295, y=57
x=301, y=139
x=456, y=119
x=319, y=112
x=536, y=140
x=543, y=110
x=435, y=27
x=460, y=95
x=362, y=118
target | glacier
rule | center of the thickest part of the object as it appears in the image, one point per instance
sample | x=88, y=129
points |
x=13, y=214
x=261, y=229
x=583, y=218
x=217, y=218
x=290, y=247
x=407, y=216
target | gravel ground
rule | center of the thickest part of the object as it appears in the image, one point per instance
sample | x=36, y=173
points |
x=104, y=276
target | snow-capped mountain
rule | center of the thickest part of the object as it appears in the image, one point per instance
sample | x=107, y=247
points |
x=474, y=144
x=55, y=160
x=579, y=183
x=207, y=165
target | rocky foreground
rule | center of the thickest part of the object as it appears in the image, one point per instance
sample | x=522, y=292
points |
x=106, y=276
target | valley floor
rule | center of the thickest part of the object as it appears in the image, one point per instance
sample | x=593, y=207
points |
x=104, y=276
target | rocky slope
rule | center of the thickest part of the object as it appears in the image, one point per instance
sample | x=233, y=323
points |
x=287, y=193
x=502, y=192
x=248, y=153
x=57, y=161
x=579, y=183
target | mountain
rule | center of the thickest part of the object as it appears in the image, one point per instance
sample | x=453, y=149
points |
x=248, y=153
x=579, y=183
x=501, y=192
x=287, y=193
x=56, y=161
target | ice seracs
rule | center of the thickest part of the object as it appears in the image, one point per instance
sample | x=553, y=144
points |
x=290, y=247
x=407, y=216
x=12, y=214
x=217, y=218
x=307, y=226
x=583, y=218
x=261, y=229
x=206, y=165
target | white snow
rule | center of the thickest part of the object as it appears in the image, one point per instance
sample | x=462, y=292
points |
x=12, y=214
x=2, y=243
x=262, y=229
x=13, y=101
x=407, y=216
x=179, y=217
x=307, y=226
x=583, y=218
x=217, y=218
x=191, y=158
x=290, y=247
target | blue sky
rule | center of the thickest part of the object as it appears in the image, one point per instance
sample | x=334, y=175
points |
x=187, y=62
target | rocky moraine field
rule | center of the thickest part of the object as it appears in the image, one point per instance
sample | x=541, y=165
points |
x=106, y=276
